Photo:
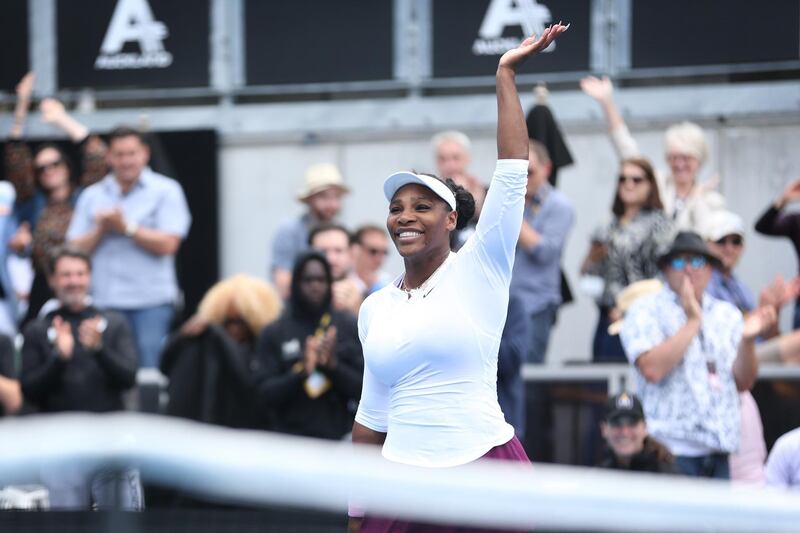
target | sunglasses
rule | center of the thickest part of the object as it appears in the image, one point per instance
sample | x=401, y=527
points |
x=39, y=169
x=733, y=240
x=696, y=262
x=635, y=179
x=374, y=252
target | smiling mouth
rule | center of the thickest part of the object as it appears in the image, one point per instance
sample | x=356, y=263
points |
x=408, y=235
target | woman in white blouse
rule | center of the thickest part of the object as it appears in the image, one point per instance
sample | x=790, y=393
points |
x=430, y=338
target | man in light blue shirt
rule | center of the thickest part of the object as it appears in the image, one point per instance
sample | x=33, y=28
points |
x=536, y=277
x=132, y=223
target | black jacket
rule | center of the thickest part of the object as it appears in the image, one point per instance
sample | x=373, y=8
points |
x=654, y=457
x=211, y=379
x=92, y=380
x=330, y=416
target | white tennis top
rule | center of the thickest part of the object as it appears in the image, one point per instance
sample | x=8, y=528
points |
x=430, y=380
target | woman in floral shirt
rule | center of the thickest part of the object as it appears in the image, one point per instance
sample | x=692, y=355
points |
x=626, y=250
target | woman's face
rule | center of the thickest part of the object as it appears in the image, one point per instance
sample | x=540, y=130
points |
x=51, y=169
x=236, y=327
x=684, y=167
x=313, y=285
x=634, y=187
x=419, y=221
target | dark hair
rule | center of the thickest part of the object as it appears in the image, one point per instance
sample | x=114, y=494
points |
x=328, y=226
x=653, y=201
x=60, y=252
x=123, y=131
x=465, y=203
x=299, y=307
x=61, y=154
x=358, y=236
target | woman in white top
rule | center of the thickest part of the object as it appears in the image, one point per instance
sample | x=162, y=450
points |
x=686, y=201
x=430, y=338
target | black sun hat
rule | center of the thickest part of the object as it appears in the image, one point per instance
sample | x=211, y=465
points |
x=688, y=242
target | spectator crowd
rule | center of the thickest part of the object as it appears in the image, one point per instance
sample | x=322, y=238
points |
x=100, y=295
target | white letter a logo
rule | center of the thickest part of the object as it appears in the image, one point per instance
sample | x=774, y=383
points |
x=133, y=21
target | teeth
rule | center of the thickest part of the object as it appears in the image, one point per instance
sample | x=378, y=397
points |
x=409, y=234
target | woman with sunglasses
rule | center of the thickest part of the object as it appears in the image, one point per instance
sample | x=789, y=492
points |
x=686, y=201
x=46, y=190
x=431, y=338
x=626, y=249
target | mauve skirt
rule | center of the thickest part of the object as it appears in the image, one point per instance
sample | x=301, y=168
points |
x=510, y=451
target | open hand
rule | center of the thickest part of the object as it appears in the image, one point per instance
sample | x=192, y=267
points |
x=791, y=193
x=600, y=89
x=311, y=354
x=327, y=349
x=52, y=110
x=195, y=326
x=25, y=86
x=22, y=238
x=90, y=333
x=530, y=46
x=65, y=342
x=758, y=322
x=115, y=220
x=689, y=301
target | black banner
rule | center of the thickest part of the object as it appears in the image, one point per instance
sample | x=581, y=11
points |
x=312, y=41
x=13, y=43
x=133, y=43
x=469, y=37
x=713, y=32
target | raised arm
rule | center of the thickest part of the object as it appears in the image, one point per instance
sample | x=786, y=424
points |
x=53, y=112
x=24, y=92
x=601, y=90
x=512, y=133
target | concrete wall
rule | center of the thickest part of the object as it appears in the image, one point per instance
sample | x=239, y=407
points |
x=753, y=158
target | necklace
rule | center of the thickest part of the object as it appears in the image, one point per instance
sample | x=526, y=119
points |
x=426, y=284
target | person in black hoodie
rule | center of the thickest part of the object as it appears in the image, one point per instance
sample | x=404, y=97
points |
x=80, y=358
x=629, y=446
x=310, y=358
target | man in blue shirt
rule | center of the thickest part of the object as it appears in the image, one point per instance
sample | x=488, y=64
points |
x=322, y=194
x=536, y=277
x=132, y=223
x=725, y=238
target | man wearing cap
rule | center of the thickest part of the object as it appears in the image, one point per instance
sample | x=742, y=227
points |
x=725, y=237
x=692, y=354
x=322, y=194
x=629, y=446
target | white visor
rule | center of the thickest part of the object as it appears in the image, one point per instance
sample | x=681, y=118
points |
x=399, y=179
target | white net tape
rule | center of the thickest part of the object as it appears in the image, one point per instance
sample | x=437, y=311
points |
x=259, y=468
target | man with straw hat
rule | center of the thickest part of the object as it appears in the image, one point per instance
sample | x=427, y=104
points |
x=322, y=194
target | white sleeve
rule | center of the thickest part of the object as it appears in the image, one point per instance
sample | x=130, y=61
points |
x=495, y=238
x=624, y=143
x=373, y=408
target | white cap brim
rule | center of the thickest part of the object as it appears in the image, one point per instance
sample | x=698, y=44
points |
x=400, y=179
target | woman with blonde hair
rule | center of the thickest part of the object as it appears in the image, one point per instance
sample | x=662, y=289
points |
x=686, y=201
x=212, y=363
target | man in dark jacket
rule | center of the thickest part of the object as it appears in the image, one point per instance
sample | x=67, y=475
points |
x=310, y=358
x=79, y=358
x=629, y=446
